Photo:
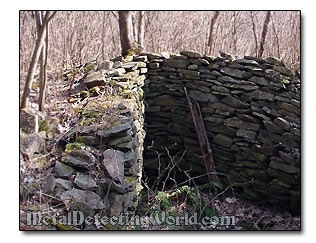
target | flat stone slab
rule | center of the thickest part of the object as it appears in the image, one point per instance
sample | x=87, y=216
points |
x=63, y=184
x=85, y=182
x=246, y=61
x=235, y=122
x=234, y=102
x=284, y=167
x=281, y=122
x=246, y=134
x=204, y=97
x=80, y=159
x=115, y=129
x=261, y=95
x=233, y=72
x=223, y=140
x=191, y=54
x=94, y=79
x=88, y=198
x=175, y=63
x=62, y=170
x=259, y=80
x=113, y=163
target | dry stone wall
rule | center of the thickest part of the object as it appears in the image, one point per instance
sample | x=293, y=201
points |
x=251, y=111
x=101, y=167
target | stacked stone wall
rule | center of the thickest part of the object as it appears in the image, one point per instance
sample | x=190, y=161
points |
x=101, y=165
x=251, y=111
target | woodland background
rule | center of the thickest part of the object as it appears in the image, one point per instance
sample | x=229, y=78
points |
x=75, y=37
x=79, y=37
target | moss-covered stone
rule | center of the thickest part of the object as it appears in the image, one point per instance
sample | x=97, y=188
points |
x=249, y=164
x=259, y=80
x=290, y=108
x=191, y=54
x=234, y=102
x=236, y=73
x=220, y=89
x=284, y=70
x=49, y=125
x=257, y=174
x=261, y=95
x=287, y=178
x=62, y=170
x=177, y=128
x=88, y=140
x=222, y=140
x=120, y=140
x=246, y=134
x=204, y=97
x=74, y=146
x=235, y=122
x=281, y=122
x=271, y=127
x=273, y=61
x=290, y=169
x=175, y=63
x=259, y=157
x=220, y=129
x=215, y=120
x=222, y=107
x=164, y=100
x=279, y=185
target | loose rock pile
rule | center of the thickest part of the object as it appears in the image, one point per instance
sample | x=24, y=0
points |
x=251, y=111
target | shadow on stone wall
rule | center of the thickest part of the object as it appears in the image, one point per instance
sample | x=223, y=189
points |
x=251, y=111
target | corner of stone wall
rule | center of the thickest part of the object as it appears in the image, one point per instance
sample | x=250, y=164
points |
x=251, y=111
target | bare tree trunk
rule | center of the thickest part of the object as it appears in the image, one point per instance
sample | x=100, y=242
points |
x=112, y=31
x=213, y=22
x=126, y=31
x=39, y=16
x=264, y=33
x=31, y=71
x=276, y=37
x=141, y=28
x=135, y=26
x=34, y=59
x=254, y=33
x=234, y=32
x=103, y=34
x=44, y=55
